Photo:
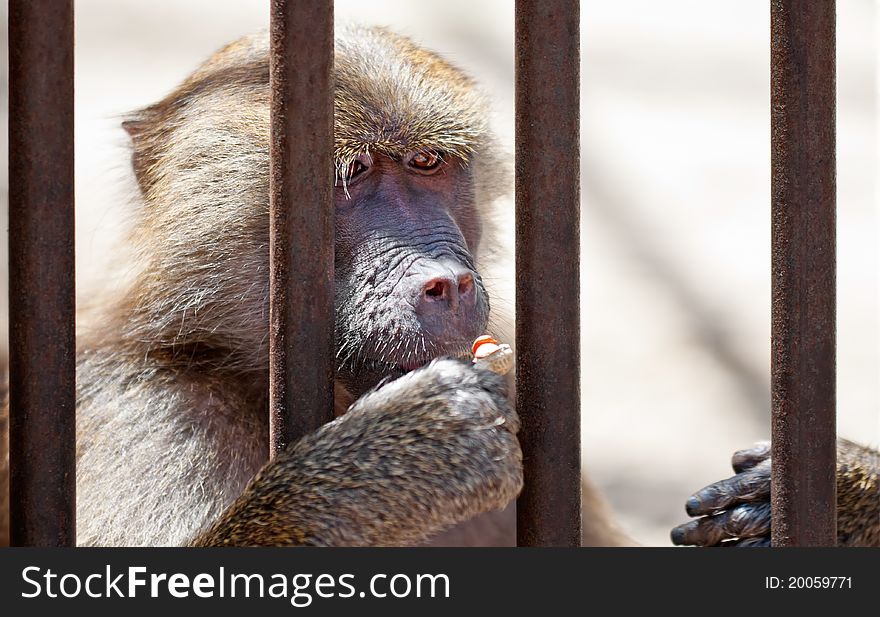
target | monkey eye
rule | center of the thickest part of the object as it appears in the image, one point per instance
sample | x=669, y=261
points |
x=353, y=171
x=427, y=161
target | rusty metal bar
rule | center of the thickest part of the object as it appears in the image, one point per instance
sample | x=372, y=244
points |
x=301, y=234
x=42, y=299
x=803, y=491
x=547, y=270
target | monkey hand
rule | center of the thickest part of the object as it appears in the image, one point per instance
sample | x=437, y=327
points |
x=419, y=454
x=735, y=511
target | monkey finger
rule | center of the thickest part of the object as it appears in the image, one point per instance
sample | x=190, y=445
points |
x=743, y=521
x=748, y=486
x=505, y=416
x=744, y=460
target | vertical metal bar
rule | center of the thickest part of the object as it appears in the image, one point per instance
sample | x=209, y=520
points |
x=803, y=491
x=547, y=270
x=301, y=226
x=41, y=273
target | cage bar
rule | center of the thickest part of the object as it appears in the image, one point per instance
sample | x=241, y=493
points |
x=42, y=355
x=301, y=237
x=803, y=491
x=548, y=270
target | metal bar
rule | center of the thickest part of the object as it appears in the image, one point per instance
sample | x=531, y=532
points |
x=42, y=357
x=301, y=236
x=547, y=270
x=803, y=491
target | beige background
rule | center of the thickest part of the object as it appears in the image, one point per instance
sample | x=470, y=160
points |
x=675, y=185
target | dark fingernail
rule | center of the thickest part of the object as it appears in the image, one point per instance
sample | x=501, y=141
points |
x=693, y=505
x=677, y=535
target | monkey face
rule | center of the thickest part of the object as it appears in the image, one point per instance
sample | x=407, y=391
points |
x=407, y=290
x=417, y=174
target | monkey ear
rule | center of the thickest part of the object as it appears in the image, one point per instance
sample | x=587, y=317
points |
x=134, y=128
x=140, y=155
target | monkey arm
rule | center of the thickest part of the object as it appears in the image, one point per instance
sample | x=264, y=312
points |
x=737, y=510
x=858, y=495
x=428, y=450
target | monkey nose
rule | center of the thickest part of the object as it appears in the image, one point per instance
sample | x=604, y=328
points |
x=444, y=288
x=448, y=290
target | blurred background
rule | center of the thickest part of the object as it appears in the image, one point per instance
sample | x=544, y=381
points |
x=675, y=197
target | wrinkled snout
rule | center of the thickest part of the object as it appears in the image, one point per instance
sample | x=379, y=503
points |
x=448, y=301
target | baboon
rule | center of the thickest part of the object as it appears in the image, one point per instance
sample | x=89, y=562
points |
x=172, y=378
x=173, y=388
x=172, y=375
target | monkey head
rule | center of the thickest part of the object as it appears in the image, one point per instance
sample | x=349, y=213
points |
x=407, y=129
x=415, y=169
